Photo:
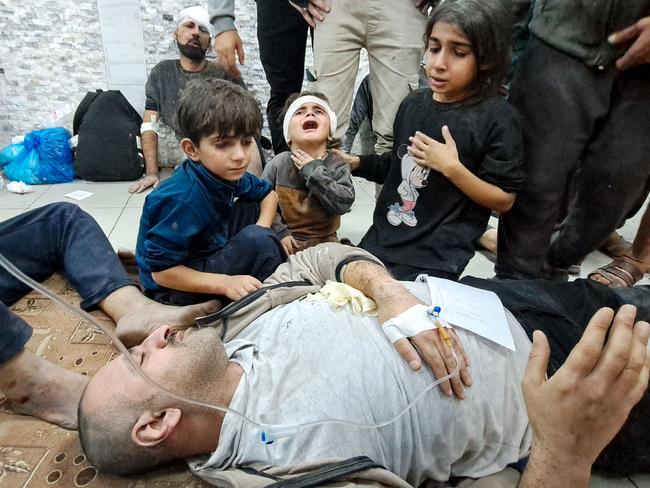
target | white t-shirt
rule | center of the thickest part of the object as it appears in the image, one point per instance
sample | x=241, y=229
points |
x=306, y=361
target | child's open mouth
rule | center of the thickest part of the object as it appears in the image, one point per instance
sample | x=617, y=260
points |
x=310, y=125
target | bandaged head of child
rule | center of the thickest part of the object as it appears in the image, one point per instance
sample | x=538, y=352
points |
x=308, y=118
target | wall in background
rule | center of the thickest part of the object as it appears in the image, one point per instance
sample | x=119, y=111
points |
x=52, y=53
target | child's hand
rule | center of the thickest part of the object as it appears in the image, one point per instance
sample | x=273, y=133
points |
x=432, y=154
x=238, y=286
x=289, y=244
x=301, y=158
x=350, y=159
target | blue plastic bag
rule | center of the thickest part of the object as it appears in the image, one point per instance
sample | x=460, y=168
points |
x=43, y=157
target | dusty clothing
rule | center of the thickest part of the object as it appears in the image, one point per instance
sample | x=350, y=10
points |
x=316, y=266
x=422, y=220
x=585, y=131
x=312, y=199
x=166, y=83
x=298, y=370
x=580, y=28
x=203, y=205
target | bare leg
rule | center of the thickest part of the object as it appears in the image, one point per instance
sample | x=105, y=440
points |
x=34, y=386
x=136, y=315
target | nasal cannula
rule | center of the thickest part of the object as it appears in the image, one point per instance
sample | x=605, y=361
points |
x=268, y=432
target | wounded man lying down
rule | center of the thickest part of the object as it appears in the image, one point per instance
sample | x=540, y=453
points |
x=305, y=361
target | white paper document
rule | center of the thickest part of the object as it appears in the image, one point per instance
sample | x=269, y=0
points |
x=79, y=194
x=479, y=311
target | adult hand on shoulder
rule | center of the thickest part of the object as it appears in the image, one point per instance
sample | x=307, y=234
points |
x=578, y=411
x=314, y=11
x=143, y=183
x=423, y=5
x=350, y=159
x=432, y=154
x=639, y=52
x=238, y=286
x=289, y=244
x=226, y=45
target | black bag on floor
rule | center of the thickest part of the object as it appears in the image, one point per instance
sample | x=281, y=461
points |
x=107, y=129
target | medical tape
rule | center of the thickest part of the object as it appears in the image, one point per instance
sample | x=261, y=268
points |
x=409, y=323
x=149, y=126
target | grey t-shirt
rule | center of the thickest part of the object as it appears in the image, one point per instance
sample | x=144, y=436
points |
x=305, y=361
x=166, y=83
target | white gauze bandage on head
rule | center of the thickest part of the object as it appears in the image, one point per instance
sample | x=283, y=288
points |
x=197, y=14
x=297, y=103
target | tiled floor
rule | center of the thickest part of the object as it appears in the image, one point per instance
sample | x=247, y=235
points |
x=118, y=214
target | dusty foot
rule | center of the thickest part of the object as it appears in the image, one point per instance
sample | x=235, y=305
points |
x=135, y=326
x=488, y=240
x=622, y=272
x=615, y=246
x=34, y=386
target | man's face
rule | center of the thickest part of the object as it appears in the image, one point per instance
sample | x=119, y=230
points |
x=193, y=40
x=181, y=361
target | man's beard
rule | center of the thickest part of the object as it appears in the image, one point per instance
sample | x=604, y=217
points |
x=191, y=52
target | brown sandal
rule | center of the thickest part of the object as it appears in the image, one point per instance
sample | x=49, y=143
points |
x=620, y=273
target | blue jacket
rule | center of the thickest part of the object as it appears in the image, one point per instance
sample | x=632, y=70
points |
x=187, y=218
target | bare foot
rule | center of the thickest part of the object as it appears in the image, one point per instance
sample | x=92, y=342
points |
x=136, y=325
x=622, y=272
x=488, y=240
x=34, y=386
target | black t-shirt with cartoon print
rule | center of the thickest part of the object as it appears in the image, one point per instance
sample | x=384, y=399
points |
x=421, y=218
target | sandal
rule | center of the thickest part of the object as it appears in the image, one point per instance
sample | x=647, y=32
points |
x=615, y=245
x=620, y=273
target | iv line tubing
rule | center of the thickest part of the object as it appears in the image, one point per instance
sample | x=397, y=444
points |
x=5, y=263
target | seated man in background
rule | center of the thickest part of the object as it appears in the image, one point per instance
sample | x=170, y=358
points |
x=166, y=82
x=127, y=426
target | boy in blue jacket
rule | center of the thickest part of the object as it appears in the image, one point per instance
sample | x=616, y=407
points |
x=206, y=230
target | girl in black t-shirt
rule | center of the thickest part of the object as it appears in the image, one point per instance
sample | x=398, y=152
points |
x=457, y=152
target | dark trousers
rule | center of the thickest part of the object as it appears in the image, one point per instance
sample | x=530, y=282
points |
x=562, y=311
x=573, y=114
x=404, y=272
x=57, y=237
x=282, y=37
x=251, y=250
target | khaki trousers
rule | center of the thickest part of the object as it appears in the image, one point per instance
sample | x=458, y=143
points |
x=391, y=31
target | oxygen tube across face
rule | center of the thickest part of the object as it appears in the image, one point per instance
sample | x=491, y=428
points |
x=268, y=432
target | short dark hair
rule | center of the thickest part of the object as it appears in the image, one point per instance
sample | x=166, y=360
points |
x=333, y=142
x=208, y=105
x=488, y=27
x=105, y=437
